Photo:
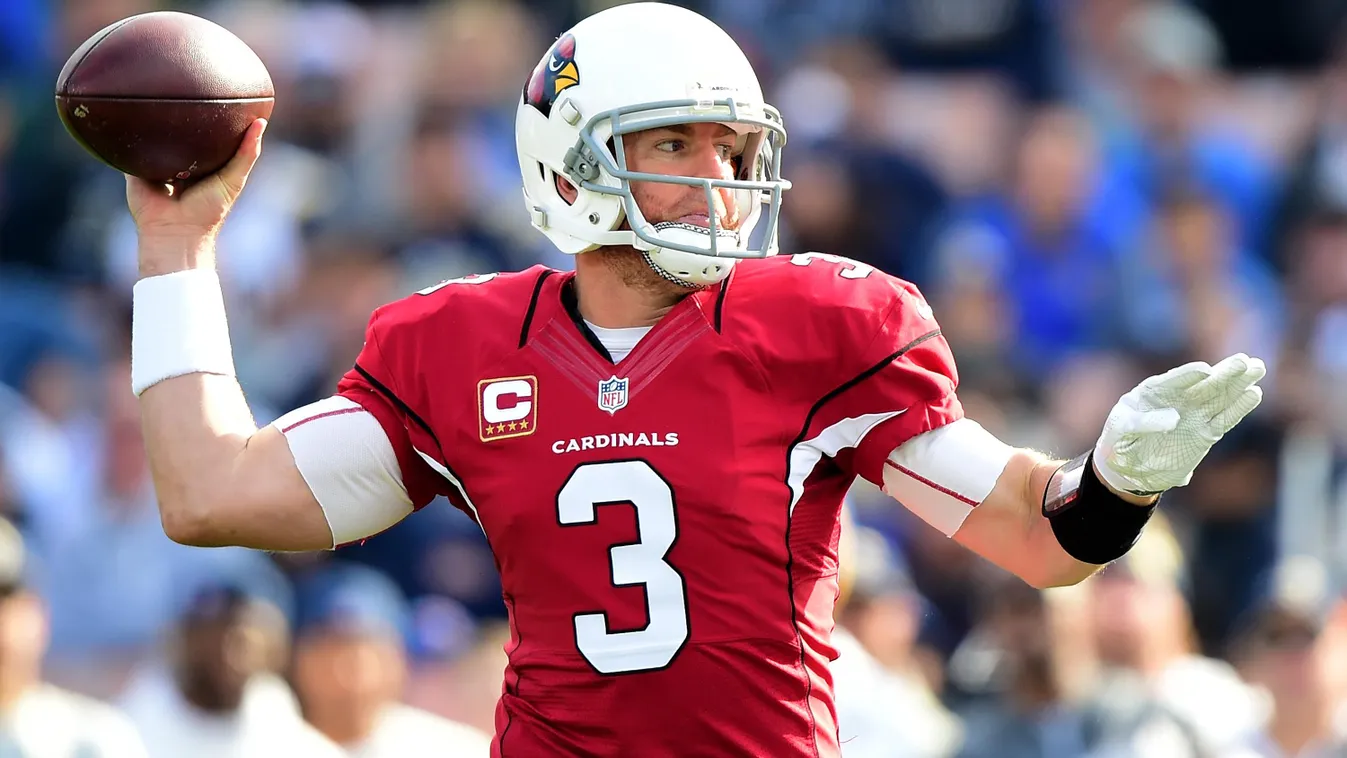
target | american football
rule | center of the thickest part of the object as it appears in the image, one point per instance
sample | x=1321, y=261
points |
x=164, y=96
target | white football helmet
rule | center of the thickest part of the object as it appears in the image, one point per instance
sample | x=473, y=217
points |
x=630, y=68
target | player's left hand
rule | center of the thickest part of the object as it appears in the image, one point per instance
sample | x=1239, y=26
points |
x=1159, y=432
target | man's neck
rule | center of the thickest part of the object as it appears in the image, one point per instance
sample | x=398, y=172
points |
x=12, y=690
x=1036, y=687
x=348, y=729
x=210, y=701
x=1149, y=660
x=616, y=289
x=1293, y=729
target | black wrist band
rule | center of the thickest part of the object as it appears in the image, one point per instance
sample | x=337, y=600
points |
x=1092, y=524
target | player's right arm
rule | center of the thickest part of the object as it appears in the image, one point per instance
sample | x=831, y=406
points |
x=221, y=480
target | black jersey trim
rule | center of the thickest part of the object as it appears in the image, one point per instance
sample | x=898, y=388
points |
x=395, y=400
x=720, y=300
x=533, y=307
x=571, y=303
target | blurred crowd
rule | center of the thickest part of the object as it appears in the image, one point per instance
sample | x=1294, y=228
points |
x=1088, y=191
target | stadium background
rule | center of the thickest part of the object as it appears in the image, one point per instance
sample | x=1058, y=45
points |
x=1087, y=190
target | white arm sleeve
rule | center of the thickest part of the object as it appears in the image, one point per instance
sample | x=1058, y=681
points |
x=943, y=474
x=350, y=466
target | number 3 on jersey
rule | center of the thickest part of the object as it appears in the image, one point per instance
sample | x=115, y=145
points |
x=639, y=563
x=853, y=270
x=469, y=279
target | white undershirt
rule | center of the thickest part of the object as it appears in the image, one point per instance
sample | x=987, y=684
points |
x=619, y=342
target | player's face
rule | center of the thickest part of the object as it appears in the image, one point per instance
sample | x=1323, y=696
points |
x=709, y=151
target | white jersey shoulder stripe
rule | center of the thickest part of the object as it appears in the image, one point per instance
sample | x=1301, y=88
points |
x=805, y=455
x=448, y=475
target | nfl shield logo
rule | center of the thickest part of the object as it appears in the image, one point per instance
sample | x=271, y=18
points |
x=613, y=395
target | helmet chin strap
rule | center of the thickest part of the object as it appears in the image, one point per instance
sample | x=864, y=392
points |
x=666, y=276
x=691, y=270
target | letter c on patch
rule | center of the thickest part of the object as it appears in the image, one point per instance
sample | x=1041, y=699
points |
x=507, y=401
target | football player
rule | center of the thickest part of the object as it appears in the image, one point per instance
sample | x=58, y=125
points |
x=655, y=445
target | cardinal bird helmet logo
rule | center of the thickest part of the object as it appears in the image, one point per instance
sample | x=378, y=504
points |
x=555, y=74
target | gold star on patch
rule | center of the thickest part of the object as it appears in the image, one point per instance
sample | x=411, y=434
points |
x=513, y=426
x=500, y=428
x=524, y=424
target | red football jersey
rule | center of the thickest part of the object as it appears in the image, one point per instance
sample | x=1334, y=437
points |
x=665, y=527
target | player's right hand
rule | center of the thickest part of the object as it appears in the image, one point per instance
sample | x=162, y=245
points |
x=173, y=225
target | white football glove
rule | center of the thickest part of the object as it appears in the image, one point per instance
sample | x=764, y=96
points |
x=1158, y=433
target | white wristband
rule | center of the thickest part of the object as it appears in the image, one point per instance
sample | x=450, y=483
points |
x=178, y=327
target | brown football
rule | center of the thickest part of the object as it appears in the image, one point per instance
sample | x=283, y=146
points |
x=164, y=96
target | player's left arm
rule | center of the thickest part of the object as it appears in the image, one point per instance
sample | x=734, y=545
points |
x=1054, y=522
x=1050, y=522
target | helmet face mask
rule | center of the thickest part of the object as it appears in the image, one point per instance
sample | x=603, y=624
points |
x=630, y=69
x=757, y=183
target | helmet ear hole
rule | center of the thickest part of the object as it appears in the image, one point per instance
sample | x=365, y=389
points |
x=565, y=190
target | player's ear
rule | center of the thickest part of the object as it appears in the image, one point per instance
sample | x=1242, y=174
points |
x=567, y=190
